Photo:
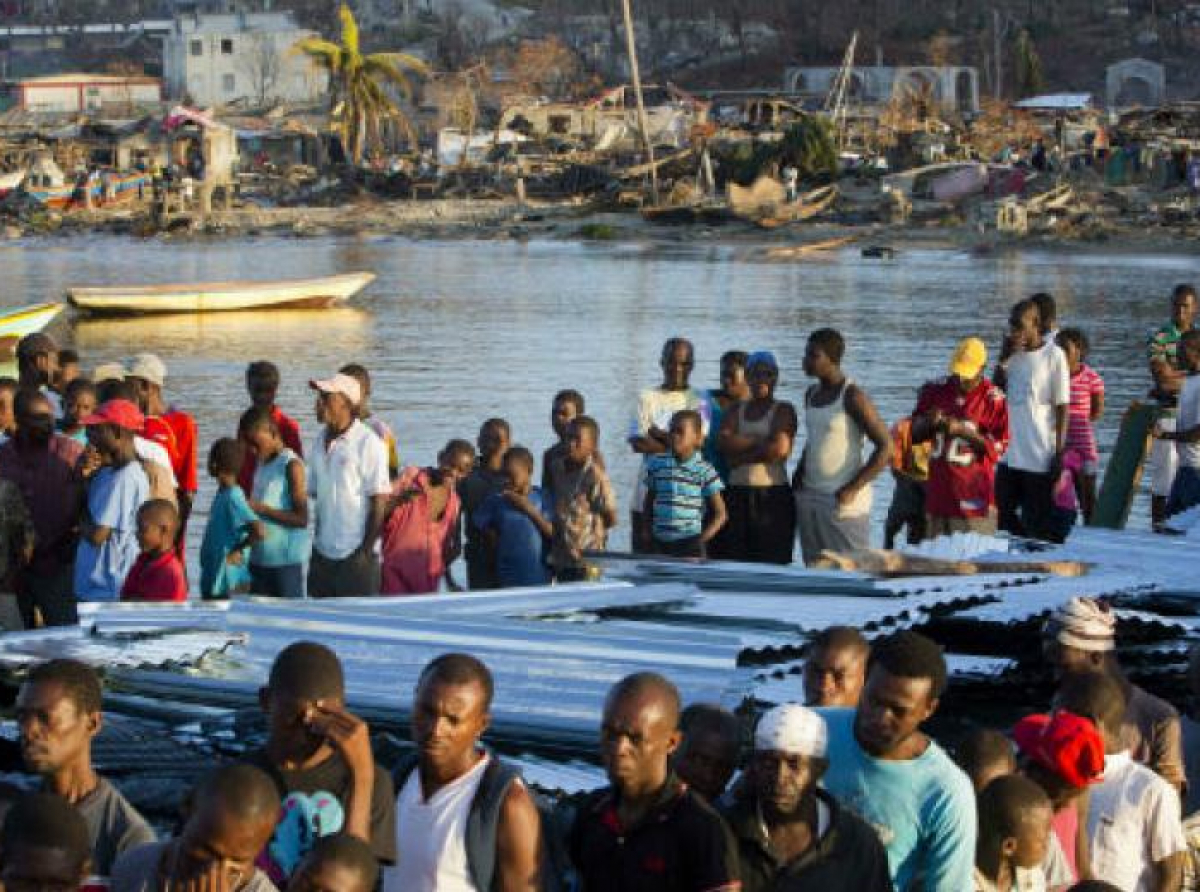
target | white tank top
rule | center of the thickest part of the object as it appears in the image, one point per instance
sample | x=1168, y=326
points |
x=431, y=836
x=834, y=449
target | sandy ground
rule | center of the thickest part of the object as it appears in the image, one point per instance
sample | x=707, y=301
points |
x=493, y=219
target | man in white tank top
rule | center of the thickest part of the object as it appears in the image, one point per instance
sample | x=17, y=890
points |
x=833, y=481
x=442, y=797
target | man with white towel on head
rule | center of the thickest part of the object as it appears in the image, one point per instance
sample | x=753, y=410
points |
x=791, y=834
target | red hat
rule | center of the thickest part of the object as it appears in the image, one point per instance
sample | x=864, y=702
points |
x=1065, y=743
x=119, y=412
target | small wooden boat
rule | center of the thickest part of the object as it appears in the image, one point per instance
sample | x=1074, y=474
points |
x=213, y=297
x=16, y=323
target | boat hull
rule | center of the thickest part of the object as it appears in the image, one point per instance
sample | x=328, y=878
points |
x=18, y=323
x=219, y=297
x=121, y=189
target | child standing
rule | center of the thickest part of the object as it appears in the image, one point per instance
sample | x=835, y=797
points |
x=679, y=484
x=585, y=508
x=117, y=488
x=79, y=401
x=280, y=499
x=515, y=524
x=485, y=480
x=1087, y=405
x=157, y=574
x=1014, y=832
x=262, y=384
x=420, y=534
x=567, y=406
x=232, y=526
x=910, y=470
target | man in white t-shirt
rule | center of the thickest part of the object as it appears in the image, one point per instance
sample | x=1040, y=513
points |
x=1134, y=825
x=1185, y=490
x=348, y=483
x=648, y=431
x=1038, y=387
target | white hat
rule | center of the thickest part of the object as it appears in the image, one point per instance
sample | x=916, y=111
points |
x=109, y=371
x=792, y=728
x=148, y=367
x=339, y=383
x=1085, y=624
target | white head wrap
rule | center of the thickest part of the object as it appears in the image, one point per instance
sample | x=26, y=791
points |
x=1085, y=624
x=791, y=728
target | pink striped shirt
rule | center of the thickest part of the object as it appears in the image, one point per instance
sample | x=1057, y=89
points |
x=1080, y=434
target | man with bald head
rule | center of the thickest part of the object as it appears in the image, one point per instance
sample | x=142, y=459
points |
x=791, y=834
x=648, y=832
x=648, y=433
x=42, y=465
x=232, y=819
x=835, y=667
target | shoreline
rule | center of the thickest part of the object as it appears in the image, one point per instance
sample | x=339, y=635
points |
x=509, y=220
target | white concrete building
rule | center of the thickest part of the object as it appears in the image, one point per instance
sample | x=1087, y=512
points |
x=954, y=89
x=75, y=93
x=218, y=59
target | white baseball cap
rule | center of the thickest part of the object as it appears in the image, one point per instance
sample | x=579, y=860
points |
x=339, y=383
x=148, y=367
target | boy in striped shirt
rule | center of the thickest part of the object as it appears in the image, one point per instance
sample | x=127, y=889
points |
x=679, y=485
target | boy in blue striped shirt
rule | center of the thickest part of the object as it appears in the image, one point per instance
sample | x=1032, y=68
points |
x=679, y=485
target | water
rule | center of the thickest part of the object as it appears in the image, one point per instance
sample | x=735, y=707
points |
x=457, y=332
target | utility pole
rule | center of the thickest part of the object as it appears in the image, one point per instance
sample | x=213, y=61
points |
x=631, y=43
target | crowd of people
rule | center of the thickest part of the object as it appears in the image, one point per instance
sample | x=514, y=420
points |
x=839, y=791
x=98, y=474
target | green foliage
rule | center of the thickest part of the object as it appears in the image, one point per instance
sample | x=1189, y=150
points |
x=1030, y=80
x=599, y=232
x=808, y=145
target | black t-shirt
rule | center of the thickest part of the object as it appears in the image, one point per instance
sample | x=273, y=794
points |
x=333, y=776
x=682, y=845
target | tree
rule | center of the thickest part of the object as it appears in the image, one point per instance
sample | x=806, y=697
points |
x=359, y=98
x=546, y=67
x=262, y=64
x=1030, y=81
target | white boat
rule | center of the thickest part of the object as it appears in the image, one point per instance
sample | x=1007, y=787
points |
x=21, y=321
x=215, y=297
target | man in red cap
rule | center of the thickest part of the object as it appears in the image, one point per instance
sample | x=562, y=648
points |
x=117, y=486
x=1064, y=754
x=348, y=482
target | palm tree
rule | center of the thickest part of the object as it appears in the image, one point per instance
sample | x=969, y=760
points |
x=360, y=102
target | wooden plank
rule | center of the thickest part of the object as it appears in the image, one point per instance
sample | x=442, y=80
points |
x=1124, y=471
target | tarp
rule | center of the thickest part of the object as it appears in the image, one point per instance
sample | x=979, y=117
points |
x=1057, y=102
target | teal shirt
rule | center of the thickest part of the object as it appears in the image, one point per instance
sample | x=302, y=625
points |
x=711, y=453
x=228, y=519
x=923, y=809
x=282, y=546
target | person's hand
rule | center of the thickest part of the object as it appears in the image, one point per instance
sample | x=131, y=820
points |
x=256, y=506
x=1160, y=434
x=345, y=732
x=1056, y=467
x=91, y=463
x=846, y=496
x=657, y=433
x=235, y=558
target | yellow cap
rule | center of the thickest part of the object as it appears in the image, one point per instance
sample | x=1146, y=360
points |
x=970, y=356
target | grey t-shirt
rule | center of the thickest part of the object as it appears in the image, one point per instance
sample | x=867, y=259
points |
x=113, y=826
x=137, y=871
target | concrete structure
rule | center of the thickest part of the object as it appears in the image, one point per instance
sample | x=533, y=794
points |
x=954, y=89
x=76, y=93
x=1133, y=82
x=218, y=59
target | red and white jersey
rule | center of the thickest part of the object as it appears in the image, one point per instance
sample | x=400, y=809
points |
x=961, y=480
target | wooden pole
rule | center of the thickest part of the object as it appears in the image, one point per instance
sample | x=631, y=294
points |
x=641, y=105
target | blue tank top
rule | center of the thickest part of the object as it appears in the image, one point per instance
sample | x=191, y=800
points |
x=283, y=545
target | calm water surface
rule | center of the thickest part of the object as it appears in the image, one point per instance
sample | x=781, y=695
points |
x=457, y=332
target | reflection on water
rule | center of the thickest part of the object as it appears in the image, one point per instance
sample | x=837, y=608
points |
x=457, y=332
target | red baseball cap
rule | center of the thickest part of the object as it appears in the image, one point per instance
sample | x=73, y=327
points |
x=1065, y=743
x=119, y=412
